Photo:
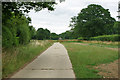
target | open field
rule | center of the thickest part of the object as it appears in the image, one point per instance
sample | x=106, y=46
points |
x=95, y=43
x=85, y=57
x=15, y=58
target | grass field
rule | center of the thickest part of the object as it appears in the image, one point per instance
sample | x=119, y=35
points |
x=13, y=59
x=95, y=43
x=84, y=57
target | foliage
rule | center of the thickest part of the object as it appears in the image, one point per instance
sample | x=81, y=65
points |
x=16, y=29
x=23, y=31
x=68, y=35
x=7, y=39
x=93, y=21
x=42, y=34
x=116, y=27
x=114, y=37
x=32, y=32
x=15, y=33
x=15, y=58
x=54, y=36
x=80, y=38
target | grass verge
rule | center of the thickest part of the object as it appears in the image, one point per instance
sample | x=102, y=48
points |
x=84, y=57
x=15, y=58
x=102, y=43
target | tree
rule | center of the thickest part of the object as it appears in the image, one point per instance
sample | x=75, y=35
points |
x=47, y=34
x=93, y=21
x=40, y=34
x=32, y=32
x=16, y=29
x=43, y=34
x=116, y=27
x=54, y=36
x=67, y=35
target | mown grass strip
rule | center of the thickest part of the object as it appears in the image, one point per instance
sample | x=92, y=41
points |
x=84, y=57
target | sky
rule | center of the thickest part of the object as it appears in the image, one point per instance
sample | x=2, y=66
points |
x=57, y=21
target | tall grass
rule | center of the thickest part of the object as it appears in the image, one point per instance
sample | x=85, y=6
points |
x=84, y=57
x=16, y=57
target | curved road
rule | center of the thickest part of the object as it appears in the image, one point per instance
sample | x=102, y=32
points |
x=52, y=63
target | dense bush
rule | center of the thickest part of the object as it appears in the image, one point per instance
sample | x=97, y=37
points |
x=6, y=39
x=15, y=33
x=42, y=34
x=114, y=37
x=80, y=38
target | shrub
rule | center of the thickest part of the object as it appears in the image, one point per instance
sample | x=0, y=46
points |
x=83, y=38
x=114, y=37
x=7, y=36
x=80, y=38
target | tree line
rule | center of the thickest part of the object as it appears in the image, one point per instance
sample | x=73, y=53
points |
x=90, y=22
x=44, y=34
x=16, y=29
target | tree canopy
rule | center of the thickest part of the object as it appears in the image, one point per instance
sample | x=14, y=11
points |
x=42, y=34
x=16, y=26
x=93, y=21
x=54, y=36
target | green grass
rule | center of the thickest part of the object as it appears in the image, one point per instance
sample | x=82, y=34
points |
x=14, y=58
x=98, y=43
x=84, y=57
x=103, y=45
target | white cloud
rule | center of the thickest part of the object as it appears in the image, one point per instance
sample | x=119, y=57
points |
x=58, y=20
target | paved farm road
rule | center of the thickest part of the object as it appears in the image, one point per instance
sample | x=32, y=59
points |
x=53, y=63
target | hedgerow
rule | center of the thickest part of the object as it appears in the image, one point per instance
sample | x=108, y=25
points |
x=114, y=37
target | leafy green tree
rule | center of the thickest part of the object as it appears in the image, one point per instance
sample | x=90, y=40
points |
x=47, y=34
x=54, y=36
x=32, y=32
x=42, y=34
x=20, y=32
x=23, y=31
x=93, y=21
x=67, y=35
x=116, y=27
x=16, y=24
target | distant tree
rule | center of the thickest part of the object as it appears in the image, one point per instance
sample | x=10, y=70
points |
x=42, y=34
x=66, y=35
x=116, y=27
x=32, y=32
x=93, y=21
x=47, y=34
x=54, y=36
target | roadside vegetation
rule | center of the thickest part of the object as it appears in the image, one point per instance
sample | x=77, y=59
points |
x=17, y=33
x=85, y=57
x=16, y=57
